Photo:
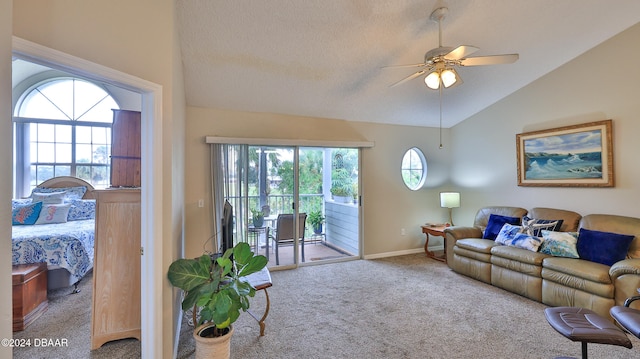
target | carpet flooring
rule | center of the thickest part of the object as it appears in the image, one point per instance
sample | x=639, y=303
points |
x=400, y=307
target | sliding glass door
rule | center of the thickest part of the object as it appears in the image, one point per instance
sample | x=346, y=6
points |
x=294, y=204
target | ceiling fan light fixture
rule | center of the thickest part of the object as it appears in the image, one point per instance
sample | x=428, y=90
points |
x=433, y=80
x=449, y=77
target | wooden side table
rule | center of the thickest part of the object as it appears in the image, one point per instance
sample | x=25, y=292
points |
x=436, y=231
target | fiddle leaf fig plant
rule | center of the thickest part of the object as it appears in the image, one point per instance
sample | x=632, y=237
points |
x=217, y=285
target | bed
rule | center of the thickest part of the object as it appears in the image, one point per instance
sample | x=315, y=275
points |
x=66, y=245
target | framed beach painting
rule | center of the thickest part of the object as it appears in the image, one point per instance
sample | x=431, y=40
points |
x=571, y=156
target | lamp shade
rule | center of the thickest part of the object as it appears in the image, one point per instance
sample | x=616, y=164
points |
x=449, y=199
x=449, y=77
x=432, y=80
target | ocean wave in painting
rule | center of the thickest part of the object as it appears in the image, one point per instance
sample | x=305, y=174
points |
x=570, y=166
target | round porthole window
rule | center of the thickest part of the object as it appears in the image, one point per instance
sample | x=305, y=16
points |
x=414, y=168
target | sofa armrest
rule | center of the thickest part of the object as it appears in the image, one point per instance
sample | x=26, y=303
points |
x=626, y=266
x=625, y=276
x=452, y=234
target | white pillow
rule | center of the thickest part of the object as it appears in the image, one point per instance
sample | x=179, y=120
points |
x=49, y=198
x=53, y=213
x=507, y=233
x=71, y=192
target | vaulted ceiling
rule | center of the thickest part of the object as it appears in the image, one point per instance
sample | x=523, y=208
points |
x=325, y=58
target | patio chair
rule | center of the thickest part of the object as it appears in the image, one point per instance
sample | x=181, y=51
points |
x=284, y=232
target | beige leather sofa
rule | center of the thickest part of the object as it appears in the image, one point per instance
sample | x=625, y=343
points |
x=555, y=281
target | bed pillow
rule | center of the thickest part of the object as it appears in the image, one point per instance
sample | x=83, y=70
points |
x=534, y=227
x=26, y=214
x=49, y=198
x=19, y=202
x=82, y=209
x=53, y=213
x=603, y=247
x=560, y=244
x=71, y=192
x=495, y=225
x=507, y=233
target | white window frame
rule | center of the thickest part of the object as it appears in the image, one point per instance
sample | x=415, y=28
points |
x=22, y=141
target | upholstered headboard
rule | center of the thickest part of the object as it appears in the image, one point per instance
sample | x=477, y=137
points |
x=68, y=181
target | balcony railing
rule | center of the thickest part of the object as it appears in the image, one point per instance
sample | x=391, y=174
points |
x=341, y=226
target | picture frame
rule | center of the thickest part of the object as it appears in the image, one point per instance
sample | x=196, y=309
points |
x=570, y=156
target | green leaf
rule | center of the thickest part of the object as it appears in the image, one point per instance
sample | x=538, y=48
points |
x=255, y=264
x=187, y=274
x=242, y=253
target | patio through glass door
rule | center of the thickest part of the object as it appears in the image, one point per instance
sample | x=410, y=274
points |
x=296, y=205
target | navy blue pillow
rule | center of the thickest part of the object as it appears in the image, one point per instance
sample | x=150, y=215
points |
x=603, y=247
x=495, y=225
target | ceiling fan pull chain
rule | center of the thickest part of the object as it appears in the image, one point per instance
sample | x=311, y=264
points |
x=440, y=92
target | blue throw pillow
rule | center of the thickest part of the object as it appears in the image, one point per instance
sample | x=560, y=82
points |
x=26, y=214
x=495, y=225
x=603, y=247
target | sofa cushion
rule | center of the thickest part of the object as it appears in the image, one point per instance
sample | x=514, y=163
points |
x=560, y=244
x=577, y=268
x=570, y=219
x=477, y=245
x=603, y=247
x=483, y=214
x=534, y=226
x=518, y=255
x=495, y=225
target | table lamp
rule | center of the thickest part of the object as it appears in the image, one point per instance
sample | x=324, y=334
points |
x=450, y=200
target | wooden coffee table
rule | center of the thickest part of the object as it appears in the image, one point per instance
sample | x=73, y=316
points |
x=436, y=231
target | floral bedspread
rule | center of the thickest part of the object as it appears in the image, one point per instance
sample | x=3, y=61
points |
x=68, y=245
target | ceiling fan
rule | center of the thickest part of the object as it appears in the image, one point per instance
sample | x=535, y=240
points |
x=440, y=63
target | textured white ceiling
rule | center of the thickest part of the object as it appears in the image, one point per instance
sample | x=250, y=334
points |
x=324, y=58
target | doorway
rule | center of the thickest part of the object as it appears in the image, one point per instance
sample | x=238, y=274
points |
x=151, y=169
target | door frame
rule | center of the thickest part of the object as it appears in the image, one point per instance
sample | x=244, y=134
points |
x=151, y=273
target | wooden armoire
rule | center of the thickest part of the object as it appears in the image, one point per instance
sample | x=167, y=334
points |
x=125, y=148
x=115, y=310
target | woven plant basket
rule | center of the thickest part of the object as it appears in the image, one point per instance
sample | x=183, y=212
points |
x=212, y=348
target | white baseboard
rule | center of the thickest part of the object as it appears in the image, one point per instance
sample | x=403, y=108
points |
x=394, y=254
x=403, y=252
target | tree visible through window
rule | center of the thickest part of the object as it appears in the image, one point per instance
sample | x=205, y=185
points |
x=64, y=126
x=414, y=168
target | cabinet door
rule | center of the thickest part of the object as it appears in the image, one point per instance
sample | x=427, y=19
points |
x=125, y=149
x=116, y=272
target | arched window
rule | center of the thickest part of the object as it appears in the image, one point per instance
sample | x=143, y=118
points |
x=63, y=128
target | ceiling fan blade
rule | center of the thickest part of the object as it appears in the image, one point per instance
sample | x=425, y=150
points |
x=460, y=52
x=408, y=78
x=489, y=60
x=401, y=66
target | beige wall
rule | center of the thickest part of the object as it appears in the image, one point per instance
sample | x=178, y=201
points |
x=482, y=167
x=138, y=38
x=6, y=321
x=601, y=84
x=388, y=206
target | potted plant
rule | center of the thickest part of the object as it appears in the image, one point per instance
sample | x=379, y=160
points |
x=217, y=287
x=315, y=218
x=341, y=185
x=257, y=217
